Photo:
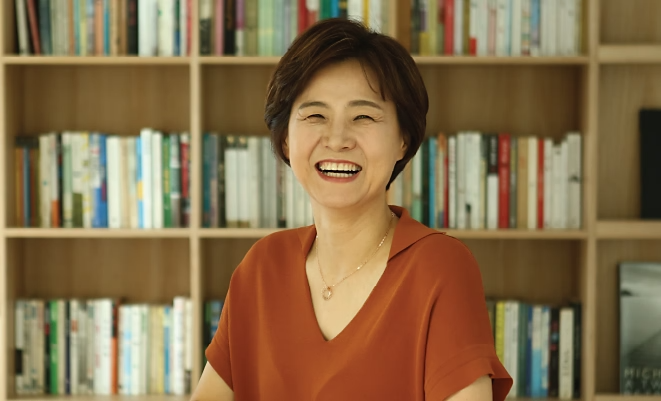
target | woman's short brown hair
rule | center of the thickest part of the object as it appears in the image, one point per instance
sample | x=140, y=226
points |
x=334, y=40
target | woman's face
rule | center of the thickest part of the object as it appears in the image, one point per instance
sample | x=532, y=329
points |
x=343, y=139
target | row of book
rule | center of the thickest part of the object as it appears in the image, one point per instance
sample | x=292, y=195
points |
x=474, y=180
x=267, y=27
x=540, y=346
x=246, y=185
x=104, y=27
x=496, y=27
x=97, y=180
x=102, y=346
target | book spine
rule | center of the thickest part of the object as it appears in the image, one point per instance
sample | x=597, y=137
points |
x=165, y=164
x=503, y=180
x=185, y=179
x=175, y=181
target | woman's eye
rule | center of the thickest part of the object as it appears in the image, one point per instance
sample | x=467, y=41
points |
x=363, y=116
x=316, y=116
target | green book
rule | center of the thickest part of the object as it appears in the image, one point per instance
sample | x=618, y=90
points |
x=54, y=310
x=165, y=166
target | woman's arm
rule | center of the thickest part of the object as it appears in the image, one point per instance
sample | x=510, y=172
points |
x=212, y=387
x=480, y=390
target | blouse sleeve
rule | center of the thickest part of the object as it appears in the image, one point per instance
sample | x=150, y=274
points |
x=218, y=351
x=460, y=345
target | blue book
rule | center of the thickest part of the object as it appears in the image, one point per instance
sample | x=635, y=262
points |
x=106, y=27
x=44, y=27
x=216, y=310
x=535, y=15
x=103, y=175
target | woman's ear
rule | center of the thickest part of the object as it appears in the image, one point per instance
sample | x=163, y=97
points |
x=403, y=147
x=285, y=147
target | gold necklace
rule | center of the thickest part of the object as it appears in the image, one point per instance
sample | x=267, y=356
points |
x=327, y=291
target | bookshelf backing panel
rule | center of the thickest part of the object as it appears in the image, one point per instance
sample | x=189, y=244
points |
x=137, y=270
x=610, y=253
x=111, y=99
x=219, y=259
x=521, y=100
x=528, y=270
x=632, y=21
x=623, y=91
x=233, y=98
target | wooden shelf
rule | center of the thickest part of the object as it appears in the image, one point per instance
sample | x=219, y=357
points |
x=629, y=54
x=463, y=234
x=628, y=229
x=94, y=60
x=150, y=397
x=473, y=60
x=626, y=397
x=96, y=233
x=421, y=60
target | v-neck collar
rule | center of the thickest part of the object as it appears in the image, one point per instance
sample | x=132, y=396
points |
x=407, y=232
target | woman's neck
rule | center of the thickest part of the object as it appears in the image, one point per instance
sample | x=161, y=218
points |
x=345, y=240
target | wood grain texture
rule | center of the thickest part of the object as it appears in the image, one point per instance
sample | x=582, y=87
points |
x=633, y=21
x=521, y=100
x=112, y=99
x=610, y=253
x=628, y=229
x=145, y=270
x=629, y=54
x=623, y=91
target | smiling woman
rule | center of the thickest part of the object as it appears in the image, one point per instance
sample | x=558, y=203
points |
x=367, y=303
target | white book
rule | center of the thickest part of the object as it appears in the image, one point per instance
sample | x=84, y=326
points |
x=82, y=347
x=112, y=171
x=493, y=183
x=175, y=181
x=122, y=328
x=147, y=189
x=525, y=28
x=157, y=179
x=548, y=182
x=473, y=25
x=137, y=365
x=503, y=30
x=459, y=27
x=67, y=191
x=131, y=184
x=86, y=177
x=145, y=335
x=147, y=28
x=577, y=23
x=564, y=184
x=512, y=354
x=231, y=181
x=243, y=182
x=482, y=27
x=20, y=378
x=461, y=180
x=472, y=154
x=552, y=9
x=566, y=357
x=22, y=28
x=517, y=27
x=556, y=197
x=532, y=182
x=166, y=28
x=178, y=345
x=452, y=181
x=188, y=341
x=254, y=198
x=354, y=8
x=91, y=345
x=44, y=177
x=575, y=177
x=74, y=359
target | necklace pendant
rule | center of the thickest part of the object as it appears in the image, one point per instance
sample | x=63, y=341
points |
x=326, y=293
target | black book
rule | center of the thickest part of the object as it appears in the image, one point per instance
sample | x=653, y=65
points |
x=650, y=163
x=132, y=27
x=554, y=352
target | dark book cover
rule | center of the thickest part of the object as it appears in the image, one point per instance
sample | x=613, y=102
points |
x=222, y=217
x=229, y=34
x=67, y=347
x=640, y=327
x=47, y=374
x=650, y=163
x=578, y=334
x=132, y=27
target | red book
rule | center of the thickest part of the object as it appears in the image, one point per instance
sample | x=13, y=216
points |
x=302, y=16
x=503, y=180
x=34, y=27
x=540, y=182
x=449, y=27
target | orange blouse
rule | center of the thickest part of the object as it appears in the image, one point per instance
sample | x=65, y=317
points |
x=422, y=334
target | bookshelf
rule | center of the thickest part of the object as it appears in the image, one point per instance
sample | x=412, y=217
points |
x=597, y=93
